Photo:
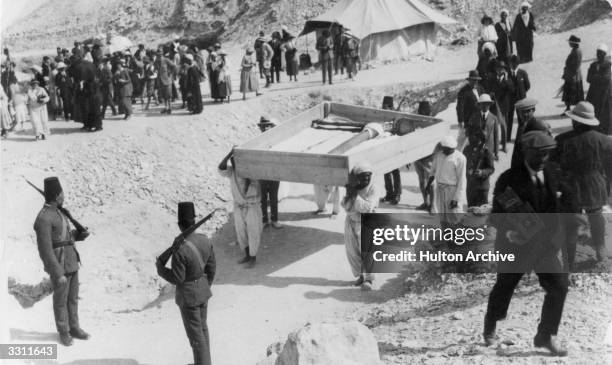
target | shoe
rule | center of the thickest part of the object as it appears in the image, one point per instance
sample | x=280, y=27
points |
x=277, y=225
x=334, y=215
x=550, y=343
x=163, y=111
x=127, y=117
x=366, y=286
x=423, y=206
x=65, y=339
x=488, y=334
x=251, y=263
x=395, y=200
x=359, y=281
x=244, y=260
x=386, y=198
x=43, y=137
x=78, y=333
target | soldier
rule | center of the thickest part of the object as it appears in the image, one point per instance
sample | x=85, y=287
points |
x=524, y=188
x=61, y=261
x=193, y=271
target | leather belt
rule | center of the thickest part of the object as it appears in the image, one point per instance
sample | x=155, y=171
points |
x=62, y=244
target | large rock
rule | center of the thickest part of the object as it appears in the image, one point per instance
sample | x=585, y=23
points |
x=348, y=343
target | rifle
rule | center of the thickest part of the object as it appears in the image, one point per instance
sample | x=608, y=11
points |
x=178, y=241
x=79, y=227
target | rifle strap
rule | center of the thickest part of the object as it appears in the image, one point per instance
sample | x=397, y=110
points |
x=197, y=254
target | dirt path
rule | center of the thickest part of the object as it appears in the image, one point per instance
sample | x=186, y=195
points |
x=302, y=273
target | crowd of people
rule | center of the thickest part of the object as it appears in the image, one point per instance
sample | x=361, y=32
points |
x=81, y=84
x=568, y=174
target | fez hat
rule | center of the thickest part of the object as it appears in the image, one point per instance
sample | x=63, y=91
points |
x=573, y=39
x=387, y=101
x=424, y=108
x=361, y=168
x=449, y=142
x=186, y=212
x=537, y=140
x=485, y=99
x=526, y=103
x=474, y=75
x=52, y=188
x=583, y=113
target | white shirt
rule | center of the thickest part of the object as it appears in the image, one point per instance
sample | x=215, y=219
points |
x=525, y=18
x=451, y=170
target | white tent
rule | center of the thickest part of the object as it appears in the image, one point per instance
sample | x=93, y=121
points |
x=388, y=29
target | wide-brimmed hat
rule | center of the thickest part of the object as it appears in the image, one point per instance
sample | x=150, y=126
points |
x=583, y=113
x=61, y=65
x=449, y=142
x=473, y=75
x=222, y=53
x=573, y=39
x=485, y=99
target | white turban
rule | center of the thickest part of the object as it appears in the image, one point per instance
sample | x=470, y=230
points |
x=603, y=47
x=449, y=142
x=525, y=4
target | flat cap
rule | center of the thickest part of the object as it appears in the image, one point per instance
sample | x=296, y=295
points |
x=526, y=103
x=537, y=140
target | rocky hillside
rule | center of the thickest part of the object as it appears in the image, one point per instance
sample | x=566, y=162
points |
x=152, y=21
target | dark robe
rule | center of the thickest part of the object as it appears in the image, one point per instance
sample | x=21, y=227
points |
x=504, y=41
x=192, y=86
x=573, y=92
x=523, y=36
x=600, y=93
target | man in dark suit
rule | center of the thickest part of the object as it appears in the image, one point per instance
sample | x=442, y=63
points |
x=193, y=271
x=520, y=84
x=483, y=121
x=529, y=187
x=61, y=261
x=467, y=98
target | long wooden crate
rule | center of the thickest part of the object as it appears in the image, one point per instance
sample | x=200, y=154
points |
x=293, y=151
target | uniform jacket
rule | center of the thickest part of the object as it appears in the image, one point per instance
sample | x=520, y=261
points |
x=467, y=103
x=544, y=246
x=53, y=230
x=489, y=128
x=192, y=281
x=584, y=158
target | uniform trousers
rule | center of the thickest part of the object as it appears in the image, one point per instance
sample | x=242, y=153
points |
x=66, y=304
x=194, y=320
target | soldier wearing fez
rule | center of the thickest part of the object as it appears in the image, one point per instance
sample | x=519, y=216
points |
x=61, y=260
x=192, y=271
x=525, y=196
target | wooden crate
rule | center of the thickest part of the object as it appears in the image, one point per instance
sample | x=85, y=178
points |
x=293, y=151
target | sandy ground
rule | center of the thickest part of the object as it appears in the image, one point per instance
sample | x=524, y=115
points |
x=301, y=274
